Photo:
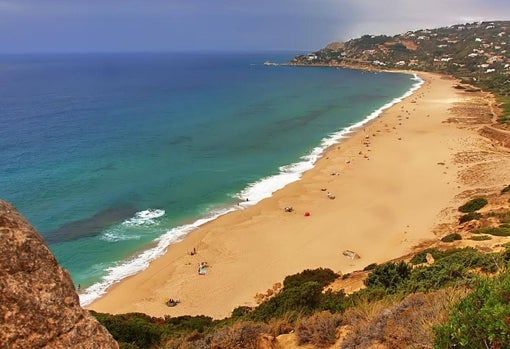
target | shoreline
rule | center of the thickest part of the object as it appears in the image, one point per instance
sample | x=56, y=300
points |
x=255, y=191
x=375, y=177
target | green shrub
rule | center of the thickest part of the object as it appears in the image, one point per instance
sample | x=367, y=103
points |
x=389, y=276
x=302, y=299
x=471, y=216
x=473, y=205
x=241, y=311
x=451, y=237
x=481, y=320
x=420, y=257
x=132, y=330
x=188, y=324
x=480, y=238
x=505, y=190
x=322, y=276
x=370, y=267
x=493, y=231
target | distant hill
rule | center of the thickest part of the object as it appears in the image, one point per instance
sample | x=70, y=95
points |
x=478, y=53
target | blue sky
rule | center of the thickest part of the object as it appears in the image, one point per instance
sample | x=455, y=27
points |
x=170, y=25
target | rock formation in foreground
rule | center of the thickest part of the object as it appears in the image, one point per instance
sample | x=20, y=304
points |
x=39, y=307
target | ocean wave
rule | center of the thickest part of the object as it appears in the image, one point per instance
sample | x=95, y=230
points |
x=141, y=261
x=265, y=187
x=146, y=217
x=254, y=192
x=115, y=236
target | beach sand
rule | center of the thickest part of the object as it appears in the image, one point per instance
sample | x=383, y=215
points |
x=390, y=195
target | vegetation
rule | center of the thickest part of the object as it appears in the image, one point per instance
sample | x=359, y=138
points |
x=476, y=53
x=480, y=238
x=507, y=188
x=481, y=320
x=473, y=205
x=500, y=231
x=471, y=216
x=451, y=237
x=315, y=316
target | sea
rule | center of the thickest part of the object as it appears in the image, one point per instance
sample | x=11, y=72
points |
x=115, y=157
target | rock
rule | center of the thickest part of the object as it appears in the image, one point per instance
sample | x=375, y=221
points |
x=351, y=254
x=39, y=307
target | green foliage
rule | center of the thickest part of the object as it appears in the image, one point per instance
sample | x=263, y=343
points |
x=186, y=324
x=451, y=237
x=370, y=267
x=302, y=297
x=473, y=205
x=389, y=276
x=241, y=311
x=298, y=299
x=501, y=231
x=133, y=330
x=333, y=301
x=481, y=320
x=420, y=257
x=480, y=238
x=450, y=267
x=507, y=188
x=322, y=276
x=470, y=217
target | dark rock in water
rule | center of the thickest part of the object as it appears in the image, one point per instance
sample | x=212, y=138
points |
x=89, y=227
x=39, y=307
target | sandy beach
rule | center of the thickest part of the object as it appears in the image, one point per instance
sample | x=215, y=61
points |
x=391, y=184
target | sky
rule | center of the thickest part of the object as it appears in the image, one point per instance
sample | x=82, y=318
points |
x=204, y=25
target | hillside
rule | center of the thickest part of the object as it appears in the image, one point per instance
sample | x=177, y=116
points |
x=477, y=53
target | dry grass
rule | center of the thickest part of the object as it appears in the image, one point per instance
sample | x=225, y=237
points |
x=405, y=324
x=319, y=329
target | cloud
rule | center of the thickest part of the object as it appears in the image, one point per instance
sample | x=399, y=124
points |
x=221, y=24
x=374, y=17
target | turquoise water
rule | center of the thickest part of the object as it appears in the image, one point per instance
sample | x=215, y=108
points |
x=113, y=157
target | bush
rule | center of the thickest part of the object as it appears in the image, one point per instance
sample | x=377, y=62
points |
x=318, y=329
x=389, y=276
x=302, y=299
x=132, y=330
x=239, y=335
x=473, y=205
x=471, y=216
x=370, y=267
x=505, y=190
x=451, y=237
x=493, y=231
x=420, y=257
x=481, y=320
x=322, y=276
x=480, y=238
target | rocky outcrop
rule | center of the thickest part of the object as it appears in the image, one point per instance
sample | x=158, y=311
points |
x=39, y=307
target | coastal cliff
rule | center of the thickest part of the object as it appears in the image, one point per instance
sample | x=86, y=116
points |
x=39, y=307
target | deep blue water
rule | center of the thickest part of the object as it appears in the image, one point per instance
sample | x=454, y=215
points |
x=108, y=155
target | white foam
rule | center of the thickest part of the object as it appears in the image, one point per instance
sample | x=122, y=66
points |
x=254, y=192
x=290, y=173
x=114, y=236
x=146, y=217
x=141, y=261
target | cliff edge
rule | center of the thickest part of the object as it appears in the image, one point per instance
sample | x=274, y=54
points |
x=39, y=307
